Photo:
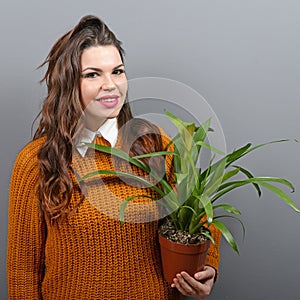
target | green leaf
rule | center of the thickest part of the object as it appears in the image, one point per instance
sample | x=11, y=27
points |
x=213, y=149
x=183, y=188
x=236, y=219
x=119, y=153
x=123, y=155
x=189, y=208
x=219, y=166
x=235, y=155
x=226, y=234
x=247, y=149
x=263, y=181
x=185, y=214
x=269, y=143
x=208, y=235
x=215, y=179
x=249, y=175
x=229, y=208
x=207, y=205
x=201, y=133
x=281, y=195
x=260, y=180
x=145, y=182
x=173, y=118
x=153, y=154
x=230, y=174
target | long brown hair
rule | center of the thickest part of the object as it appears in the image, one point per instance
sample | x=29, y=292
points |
x=62, y=110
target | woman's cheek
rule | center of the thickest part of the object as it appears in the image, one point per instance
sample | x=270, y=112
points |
x=87, y=95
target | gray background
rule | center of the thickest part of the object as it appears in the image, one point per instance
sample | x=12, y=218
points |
x=242, y=56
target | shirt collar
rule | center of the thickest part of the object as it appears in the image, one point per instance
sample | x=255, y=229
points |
x=109, y=130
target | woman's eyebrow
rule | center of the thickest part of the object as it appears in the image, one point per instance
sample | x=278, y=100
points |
x=117, y=67
x=99, y=70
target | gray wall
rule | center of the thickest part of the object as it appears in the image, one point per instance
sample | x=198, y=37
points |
x=242, y=56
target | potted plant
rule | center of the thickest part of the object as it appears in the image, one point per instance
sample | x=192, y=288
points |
x=192, y=199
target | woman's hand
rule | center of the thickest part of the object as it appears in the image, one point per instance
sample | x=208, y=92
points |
x=198, y=286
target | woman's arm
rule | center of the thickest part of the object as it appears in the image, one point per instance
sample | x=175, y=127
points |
x=26, y=229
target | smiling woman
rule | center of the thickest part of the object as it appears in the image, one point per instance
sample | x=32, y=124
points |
x=63, y=239
x=103, y=84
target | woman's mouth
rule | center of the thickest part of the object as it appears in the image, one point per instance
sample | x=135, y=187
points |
x=108, y=101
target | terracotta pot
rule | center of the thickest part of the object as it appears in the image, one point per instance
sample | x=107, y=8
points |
x=179, y=257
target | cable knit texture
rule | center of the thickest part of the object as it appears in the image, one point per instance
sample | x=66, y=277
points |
x=89, y=255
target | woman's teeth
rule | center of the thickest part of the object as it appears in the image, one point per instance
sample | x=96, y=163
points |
x=107, y=100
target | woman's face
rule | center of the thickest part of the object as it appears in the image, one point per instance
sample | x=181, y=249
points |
x=103, y=84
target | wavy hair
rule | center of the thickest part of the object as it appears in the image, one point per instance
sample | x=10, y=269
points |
x=62, y=110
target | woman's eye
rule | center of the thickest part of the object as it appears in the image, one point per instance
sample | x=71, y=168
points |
x=118, y=71
x=90, y=75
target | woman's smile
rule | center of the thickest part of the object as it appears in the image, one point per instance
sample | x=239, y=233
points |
x=108, y=100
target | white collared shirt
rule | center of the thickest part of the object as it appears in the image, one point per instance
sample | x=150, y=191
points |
x=109, y=130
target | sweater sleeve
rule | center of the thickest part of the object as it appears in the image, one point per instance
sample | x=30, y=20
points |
x=26, y=229
x=213, y=254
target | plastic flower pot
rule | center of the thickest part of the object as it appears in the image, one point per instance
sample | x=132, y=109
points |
x=181, y=257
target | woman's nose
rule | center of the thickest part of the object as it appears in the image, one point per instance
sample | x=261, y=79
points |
x=108, y=83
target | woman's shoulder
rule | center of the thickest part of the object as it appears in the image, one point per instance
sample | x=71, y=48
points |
x=28, y=154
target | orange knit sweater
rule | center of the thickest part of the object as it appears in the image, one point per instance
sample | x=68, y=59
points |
x=88, y=255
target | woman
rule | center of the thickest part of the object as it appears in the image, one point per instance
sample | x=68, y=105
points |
x=65, y=240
